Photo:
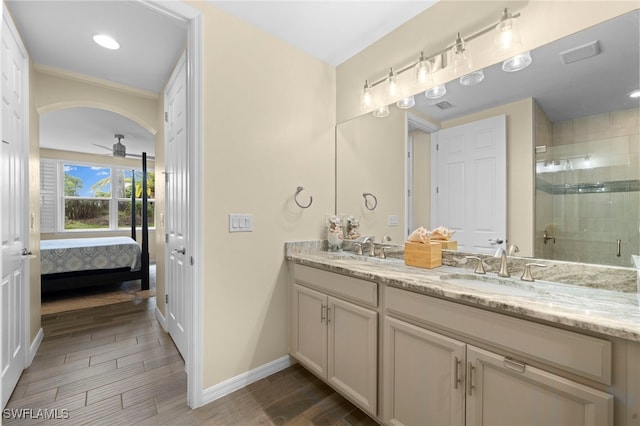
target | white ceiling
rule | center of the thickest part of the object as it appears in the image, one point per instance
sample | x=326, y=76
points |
x=332, y=31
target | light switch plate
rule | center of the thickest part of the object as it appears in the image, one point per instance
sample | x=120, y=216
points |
x=240, y=222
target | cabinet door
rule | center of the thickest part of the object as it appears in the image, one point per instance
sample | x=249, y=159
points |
x=423, y=376
x=502, y=392
x=353, y=346
x=309, y=332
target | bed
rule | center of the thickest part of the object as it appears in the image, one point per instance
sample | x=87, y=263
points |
x=85, y=262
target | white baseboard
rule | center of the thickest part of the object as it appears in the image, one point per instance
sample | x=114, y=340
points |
x=161, y=319
x=35, y=345
x=244, y=379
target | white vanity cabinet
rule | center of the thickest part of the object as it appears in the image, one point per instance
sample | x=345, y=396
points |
x=431, y=378
x=334, y=332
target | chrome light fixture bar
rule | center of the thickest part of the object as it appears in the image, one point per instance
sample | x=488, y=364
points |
x=425, y=66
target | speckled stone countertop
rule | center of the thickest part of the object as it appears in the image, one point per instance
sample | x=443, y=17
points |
x=613, y=313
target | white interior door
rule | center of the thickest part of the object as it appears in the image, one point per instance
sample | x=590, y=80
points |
x=177, y=204
x=470, y=173
x=14, y=188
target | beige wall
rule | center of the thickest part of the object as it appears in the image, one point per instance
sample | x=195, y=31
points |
x=269, y=114
x=520, y=163
x=370, y=158
x=541, y=22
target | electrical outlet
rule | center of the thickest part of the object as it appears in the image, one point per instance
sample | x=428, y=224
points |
x=393, y=220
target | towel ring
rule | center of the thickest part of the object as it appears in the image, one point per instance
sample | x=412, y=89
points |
x=367, y=196
x=295, y=198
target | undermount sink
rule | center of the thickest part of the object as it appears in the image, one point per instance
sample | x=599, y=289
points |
x=491, y=284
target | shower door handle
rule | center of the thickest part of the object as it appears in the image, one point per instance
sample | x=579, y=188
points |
x=618, y=243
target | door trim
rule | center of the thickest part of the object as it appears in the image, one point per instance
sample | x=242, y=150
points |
x=194, y=58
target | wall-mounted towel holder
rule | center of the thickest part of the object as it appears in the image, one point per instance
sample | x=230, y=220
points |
x=369, y=196
x=295, y=198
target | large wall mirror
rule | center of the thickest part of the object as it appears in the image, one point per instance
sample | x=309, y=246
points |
x=573, y=144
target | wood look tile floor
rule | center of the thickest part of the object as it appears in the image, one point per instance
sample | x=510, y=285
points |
x=114, y=365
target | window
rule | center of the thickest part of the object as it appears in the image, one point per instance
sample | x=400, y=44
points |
x=125, y=185
x=87, y=197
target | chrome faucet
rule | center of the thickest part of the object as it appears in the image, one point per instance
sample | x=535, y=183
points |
x=371, y=245
x=502, y=254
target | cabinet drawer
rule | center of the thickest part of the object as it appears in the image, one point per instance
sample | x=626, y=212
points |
x=586, y=356
x=365, y=292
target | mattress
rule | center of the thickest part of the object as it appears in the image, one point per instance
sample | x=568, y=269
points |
x=83, y=254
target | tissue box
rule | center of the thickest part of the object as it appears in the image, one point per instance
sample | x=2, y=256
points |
x=423, y=255
x=449, y=245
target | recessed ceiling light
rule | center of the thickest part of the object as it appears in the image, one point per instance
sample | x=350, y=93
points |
x=106, y=41
x=635, y=94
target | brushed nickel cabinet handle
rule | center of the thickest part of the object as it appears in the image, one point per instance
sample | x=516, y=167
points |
x=328, y=314
x=456, y=373
x=470, y=386
x=321, y=313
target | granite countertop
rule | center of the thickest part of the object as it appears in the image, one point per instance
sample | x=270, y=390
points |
x=604, y=311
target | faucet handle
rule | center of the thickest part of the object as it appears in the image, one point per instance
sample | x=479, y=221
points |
x=527, y=275
x=357, y=247
x=381, y=253
x=479, y=265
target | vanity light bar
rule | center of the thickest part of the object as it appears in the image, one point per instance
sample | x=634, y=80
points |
x=443, y=53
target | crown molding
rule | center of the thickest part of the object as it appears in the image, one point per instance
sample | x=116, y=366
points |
x=98, y=82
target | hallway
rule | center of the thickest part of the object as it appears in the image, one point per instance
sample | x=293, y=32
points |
x=115, y=365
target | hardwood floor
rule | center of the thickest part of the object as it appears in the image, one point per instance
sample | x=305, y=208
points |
x=114, y=365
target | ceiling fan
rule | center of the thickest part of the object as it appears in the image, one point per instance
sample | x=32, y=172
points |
x=119, y=150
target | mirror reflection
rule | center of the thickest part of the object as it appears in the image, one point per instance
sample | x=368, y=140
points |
x=572, y=141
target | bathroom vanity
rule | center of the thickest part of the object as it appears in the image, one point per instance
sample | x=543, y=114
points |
x=414, y=346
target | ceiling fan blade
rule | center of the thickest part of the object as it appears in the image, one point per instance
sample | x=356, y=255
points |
x=149, y=157
x=105, y=147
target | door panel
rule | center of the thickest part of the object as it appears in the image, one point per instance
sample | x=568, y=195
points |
x=420, y=382
x=310, y=332
x=177, y=202
x=470, y=164
x=352, y=350
x=14, y=190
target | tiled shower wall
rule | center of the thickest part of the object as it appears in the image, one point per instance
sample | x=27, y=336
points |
x=587, y=192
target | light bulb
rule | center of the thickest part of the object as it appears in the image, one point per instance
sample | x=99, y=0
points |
x=406, y=103
x=423, y=70
x=381, y=112
x=462, y=62
x=392, y=84
x=366, y=100
x=436, y=92
x=507, y=35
